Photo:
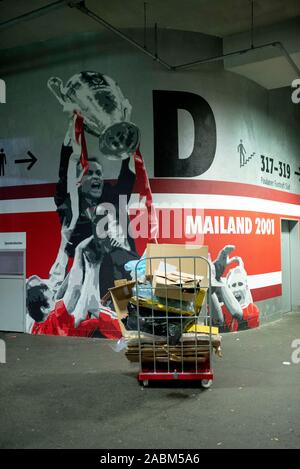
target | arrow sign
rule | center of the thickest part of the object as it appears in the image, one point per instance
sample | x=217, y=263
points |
x=298, y=174
x=32, y=160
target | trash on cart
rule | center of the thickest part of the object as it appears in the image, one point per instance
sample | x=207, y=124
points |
x=160, y=316
x=189, y=349
x=144, y=294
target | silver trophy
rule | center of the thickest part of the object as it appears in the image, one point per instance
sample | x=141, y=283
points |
x=105, y=110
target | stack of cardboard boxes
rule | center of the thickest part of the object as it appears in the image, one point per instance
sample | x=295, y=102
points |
x=177, y=276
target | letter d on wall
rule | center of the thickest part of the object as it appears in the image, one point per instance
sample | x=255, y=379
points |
x=166, y=149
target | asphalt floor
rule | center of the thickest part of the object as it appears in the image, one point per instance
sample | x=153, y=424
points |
x=60, y=392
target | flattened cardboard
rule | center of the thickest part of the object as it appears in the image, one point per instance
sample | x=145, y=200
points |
x=121, y=295
x=172, y=285
x=122, y=281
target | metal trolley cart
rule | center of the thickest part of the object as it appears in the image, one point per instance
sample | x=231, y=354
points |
x=175, y=313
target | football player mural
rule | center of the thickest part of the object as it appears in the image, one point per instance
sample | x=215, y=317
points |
x=232, y=304
x=64, y=304
x=95, y=242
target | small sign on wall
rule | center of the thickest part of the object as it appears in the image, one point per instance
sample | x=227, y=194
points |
x=12, y=241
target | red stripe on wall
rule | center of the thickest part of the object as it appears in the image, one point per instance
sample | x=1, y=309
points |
x=172, y=186
x=43, y=237
x=27, y=192
x=265, y=293
x=30, y=191
x=260, y=253
x=196, y=186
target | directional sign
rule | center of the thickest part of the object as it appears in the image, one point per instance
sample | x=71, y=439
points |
x=32, y=160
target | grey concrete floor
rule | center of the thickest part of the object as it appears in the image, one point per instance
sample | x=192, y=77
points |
x=78, y=393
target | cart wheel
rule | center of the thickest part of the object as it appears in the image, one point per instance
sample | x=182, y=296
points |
x=206, y=383
x=145, y=383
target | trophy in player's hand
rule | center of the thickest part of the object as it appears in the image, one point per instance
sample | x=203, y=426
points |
x=105, y=110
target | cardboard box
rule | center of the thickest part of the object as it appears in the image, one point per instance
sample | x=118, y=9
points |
x=175, y=285
x=185, y=258
x=155, y=349
x=121, y=295
x=122, y=281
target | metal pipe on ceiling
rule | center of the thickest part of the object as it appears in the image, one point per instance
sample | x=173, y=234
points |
x=34, y=13
x=292, y=63
x=86, y=11
x=145, y=25
x=217, y=58
x=80, y=6
x=83, y=8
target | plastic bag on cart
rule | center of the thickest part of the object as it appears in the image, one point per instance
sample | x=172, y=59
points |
x=119, y=345
x=137, y=268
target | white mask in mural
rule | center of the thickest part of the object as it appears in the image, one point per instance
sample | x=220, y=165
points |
x=237, y=282
x=105, y=110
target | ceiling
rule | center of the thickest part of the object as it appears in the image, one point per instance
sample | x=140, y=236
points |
x=274, y=20
x=215, y=17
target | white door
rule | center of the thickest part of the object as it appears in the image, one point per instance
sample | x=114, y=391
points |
x=12, y=290
x=290, y=258
x=286, y=301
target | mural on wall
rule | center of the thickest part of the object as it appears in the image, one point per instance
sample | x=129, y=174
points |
x=95, y=241
x=60, y=305
x=232, y=304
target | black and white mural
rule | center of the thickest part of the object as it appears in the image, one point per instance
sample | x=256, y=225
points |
x=93, y=237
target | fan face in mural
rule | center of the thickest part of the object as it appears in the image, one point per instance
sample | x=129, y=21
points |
x=72, y=301
x=238, y=284
x=232, y=304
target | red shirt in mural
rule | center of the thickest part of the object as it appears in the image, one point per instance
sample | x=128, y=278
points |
x=250, y=319
x=60, y=322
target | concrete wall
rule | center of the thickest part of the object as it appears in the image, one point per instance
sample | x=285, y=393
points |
x=265, y=123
